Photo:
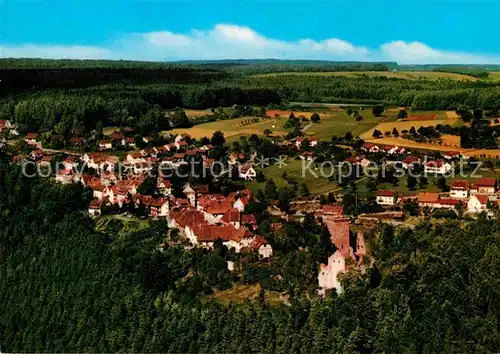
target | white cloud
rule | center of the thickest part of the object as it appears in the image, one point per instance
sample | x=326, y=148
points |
x=227, y=41
x=419, y=53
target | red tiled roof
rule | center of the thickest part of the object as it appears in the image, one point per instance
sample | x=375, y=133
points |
x=104, y=142
x=411, y=159
x=76, y=140
x=486, y=182
x=95, y=204
x=32, y=135
x=386, y=193
x=448, y=201
x=435, y=163
x=249, y=219
x=427, y=197
x=159, y=202
x=483, y=198
x=257, y=242
x=459, y=185
x=231, y=215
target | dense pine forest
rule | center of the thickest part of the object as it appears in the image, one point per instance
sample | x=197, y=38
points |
x=65, y=287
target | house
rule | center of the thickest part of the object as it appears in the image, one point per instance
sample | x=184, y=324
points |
x=262, y=247
x=76, y=141
x=247, y=172
x=116, y=136
x=234, y=158
x=65, y=176
x=386, y=197
x=390, y=149
x=135, y=157
x=46, y=161
x=190, y=194
x=372, y=148
x=147, y=139
x=99, y=190
x=477, y=203
x=450, y=155
x=164, y=186
x=358, y=160
x=307, y=155
x=128, y=142
x=105, y=145
x=484, y=186
x=159, y=208
x=5, y=125
x=410, y=161
x=95, y=207
x=71, y=162
x=312, y=141
x=437, y=167
x=434, y=200
x=32, y=139
x=459, y=189
x=36, y=154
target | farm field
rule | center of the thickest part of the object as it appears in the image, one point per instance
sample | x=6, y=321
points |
x=389, y=126
x=411, y=75
x=233, y=128
x=293, y=168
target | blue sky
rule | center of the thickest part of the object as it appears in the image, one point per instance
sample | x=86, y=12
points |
x=407, y=31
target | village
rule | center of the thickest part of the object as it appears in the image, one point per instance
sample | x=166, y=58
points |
x=144, y=182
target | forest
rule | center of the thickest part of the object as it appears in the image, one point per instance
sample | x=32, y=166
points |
x=67, y=287
x=43, y=93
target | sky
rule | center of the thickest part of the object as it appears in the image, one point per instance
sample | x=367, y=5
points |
x=405, y=31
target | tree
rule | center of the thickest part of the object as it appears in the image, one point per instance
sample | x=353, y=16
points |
x=315, y=118
x=260, y=177
x=441, y=184
x=99, y=131
x=378, y=110
x=147, y=187
x=270, y=189
x=218, y=139
x=478, y=114
x=348, y=136
x=377, y=133
x=411, y=182
x=304, y=191
x=402, y=114
x=371, y=185
x=284, y=199
x=395, y=132
x=413, y=131
x=267, y=132
x=180, y=119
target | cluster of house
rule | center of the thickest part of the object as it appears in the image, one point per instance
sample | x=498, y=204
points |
x=474, y=197
x=435, y=166
x=7, y=126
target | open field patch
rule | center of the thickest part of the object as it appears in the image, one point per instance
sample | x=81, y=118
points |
x=451, y=115
x=406, y=125
x=233, y=127
x=293, y=169
x=240, y=293
x=195, y=113
x=409, y=75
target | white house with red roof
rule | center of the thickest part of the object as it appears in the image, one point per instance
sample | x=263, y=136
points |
x=247, y=172
x=32, y=139
x=262, y=247
x=437, y=167
x=459, y=189
x=105, y=144
x=312, y=141
x=477, y=203
x=95, y=207
x=450, y=155
x=484, y=186
x=372, y=148
x=386, y=197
